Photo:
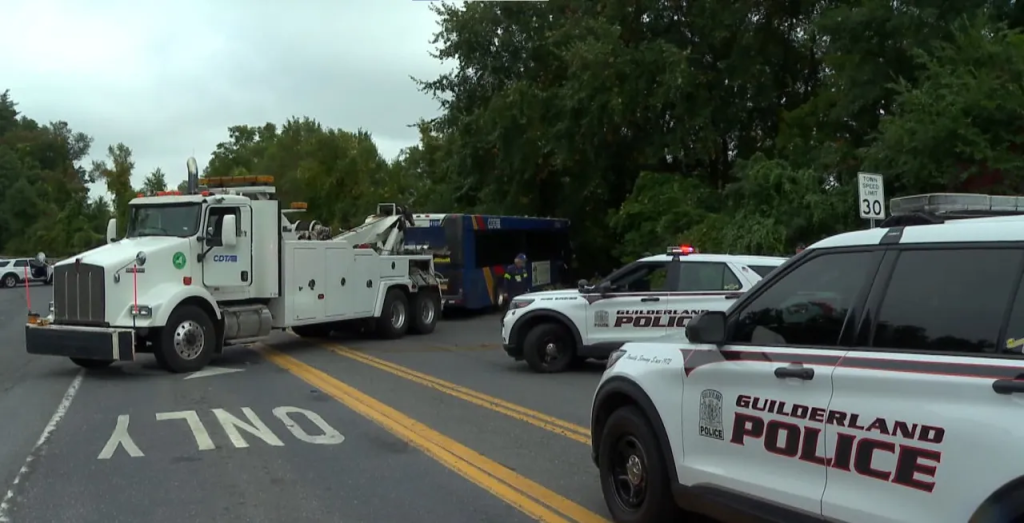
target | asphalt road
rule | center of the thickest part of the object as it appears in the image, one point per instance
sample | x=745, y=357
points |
x=442, y=427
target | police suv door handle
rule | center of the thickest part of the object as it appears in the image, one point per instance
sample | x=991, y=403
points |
x=1008, y=386
x=650, y=298
x=800, y=373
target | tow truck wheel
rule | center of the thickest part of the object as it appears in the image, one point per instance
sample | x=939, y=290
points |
x=187, y=342
x=634, y=477
x=92, y=364
x=549, y=348
x=394, y=317
x=426, y=305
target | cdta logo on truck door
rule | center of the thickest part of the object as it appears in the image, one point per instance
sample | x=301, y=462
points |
x=230, y=258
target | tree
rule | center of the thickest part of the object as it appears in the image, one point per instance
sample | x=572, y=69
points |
x=154, y=183
x=44, y=204
x=118, y=178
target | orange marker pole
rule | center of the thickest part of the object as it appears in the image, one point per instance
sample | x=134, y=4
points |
x=28, y=295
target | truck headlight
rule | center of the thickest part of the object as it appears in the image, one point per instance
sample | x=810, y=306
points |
x=142, y=311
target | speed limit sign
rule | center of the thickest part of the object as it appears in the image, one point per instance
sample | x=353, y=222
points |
x=871, y=196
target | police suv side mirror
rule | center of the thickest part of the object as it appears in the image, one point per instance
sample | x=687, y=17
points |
x=604, y=287
x=582, y=285
x=707, y=327
x=227, y=232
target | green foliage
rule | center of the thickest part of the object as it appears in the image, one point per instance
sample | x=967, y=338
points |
x=44, y=202
x=737, y=127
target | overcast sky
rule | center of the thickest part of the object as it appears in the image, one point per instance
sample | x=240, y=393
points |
x=167, y=78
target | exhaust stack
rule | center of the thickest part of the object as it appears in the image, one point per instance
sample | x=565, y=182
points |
x=193, y=175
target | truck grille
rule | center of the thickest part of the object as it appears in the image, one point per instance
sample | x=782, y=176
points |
x=78, y=294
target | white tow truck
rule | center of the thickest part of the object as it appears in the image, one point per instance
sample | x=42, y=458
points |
x=223, y=265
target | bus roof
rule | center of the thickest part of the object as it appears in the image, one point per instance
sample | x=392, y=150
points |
x=490, y=221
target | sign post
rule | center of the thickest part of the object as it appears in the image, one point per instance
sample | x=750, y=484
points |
x=871, y=197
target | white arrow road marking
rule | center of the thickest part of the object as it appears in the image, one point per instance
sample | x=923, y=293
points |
x=211, y=371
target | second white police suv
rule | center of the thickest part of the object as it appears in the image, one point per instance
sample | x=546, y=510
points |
x=876, y=377
x=649, y=298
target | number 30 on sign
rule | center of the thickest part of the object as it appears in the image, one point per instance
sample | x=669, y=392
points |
x=871, y=200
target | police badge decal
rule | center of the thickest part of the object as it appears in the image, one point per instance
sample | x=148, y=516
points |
x=711, y=414
x=601, y=319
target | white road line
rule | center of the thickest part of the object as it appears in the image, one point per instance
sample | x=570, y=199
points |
x=195, y=424
x=62, y=408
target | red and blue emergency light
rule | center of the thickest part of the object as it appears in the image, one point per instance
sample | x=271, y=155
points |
x=682, y=250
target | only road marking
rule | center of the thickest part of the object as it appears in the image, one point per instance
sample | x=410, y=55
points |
x=537, y=419
x=233, y=426
x=513, y=488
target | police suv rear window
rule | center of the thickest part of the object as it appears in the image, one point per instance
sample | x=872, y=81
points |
x=4, y=263
x=948, y=300
x=763, y=270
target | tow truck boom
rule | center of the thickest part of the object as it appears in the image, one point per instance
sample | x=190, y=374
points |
x=383, y=231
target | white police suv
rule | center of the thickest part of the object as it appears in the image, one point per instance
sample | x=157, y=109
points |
x=647, y=299
x=876, y=377
x=14, y=272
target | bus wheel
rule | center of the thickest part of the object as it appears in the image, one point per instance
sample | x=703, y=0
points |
x=549, y=348
x=426, y=307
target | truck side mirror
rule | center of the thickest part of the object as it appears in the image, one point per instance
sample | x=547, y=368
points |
x=707, y=327
x=227, y=231
x=111, y=230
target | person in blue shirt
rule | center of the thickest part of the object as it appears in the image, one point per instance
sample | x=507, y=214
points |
x=517, y=279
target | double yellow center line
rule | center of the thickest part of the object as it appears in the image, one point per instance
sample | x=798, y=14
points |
x=537, y=419
x=529, y=497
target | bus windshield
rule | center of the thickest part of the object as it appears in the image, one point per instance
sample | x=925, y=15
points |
x=176, y=219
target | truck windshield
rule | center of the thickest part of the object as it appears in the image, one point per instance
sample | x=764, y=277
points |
x=179, y=219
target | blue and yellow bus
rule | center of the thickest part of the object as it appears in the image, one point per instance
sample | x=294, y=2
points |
x=471, y=251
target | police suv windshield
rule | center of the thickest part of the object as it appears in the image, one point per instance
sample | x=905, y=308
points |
x=177, y=219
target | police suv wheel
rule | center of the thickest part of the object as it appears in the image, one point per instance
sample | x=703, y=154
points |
x=394, y=316
x=426, y=308
x=92, y=364
x=634, y=472
x=10, y=281
x=548, y=348
x=187, y=342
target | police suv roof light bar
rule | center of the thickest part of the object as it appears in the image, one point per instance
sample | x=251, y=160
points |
x=932, y=208
x=681, y=250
